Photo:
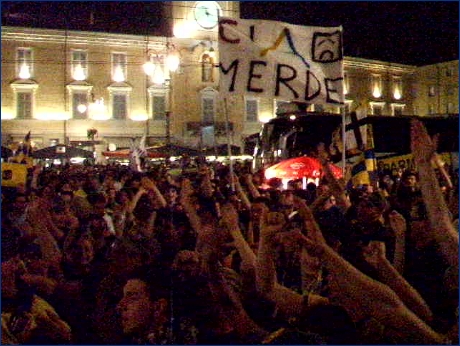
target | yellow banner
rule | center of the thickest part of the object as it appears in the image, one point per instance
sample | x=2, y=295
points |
x=13, y=174
x=405, y=162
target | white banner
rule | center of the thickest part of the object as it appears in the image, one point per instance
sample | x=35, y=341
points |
x=279, y=60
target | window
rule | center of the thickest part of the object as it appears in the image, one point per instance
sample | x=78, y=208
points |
x=207, y=68
x=119, y=106
x=347, y=106
x=158, y=102
x=252, y=110
x=24, y=67
x=24, y=105
x=208, y=104
x=79, y=105
x=159, y=107
x=450, y=108
x=24, y=98
x=280, y=106
x=377, y=108
x=431, y=109
x=119, y=67
x=319, y=108
x=208, y=109
x=397, y=87
x=431, y=91
x=79, y=64
x=376, y=85
x=397, y=109
x=346, y=84
x=449, y=72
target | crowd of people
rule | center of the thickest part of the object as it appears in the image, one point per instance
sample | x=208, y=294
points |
x=216, y=255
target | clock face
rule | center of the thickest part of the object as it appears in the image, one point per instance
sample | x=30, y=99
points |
x=207, y=14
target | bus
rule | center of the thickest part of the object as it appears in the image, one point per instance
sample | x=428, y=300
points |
x=298, y=134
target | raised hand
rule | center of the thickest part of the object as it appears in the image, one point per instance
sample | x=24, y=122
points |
x=422, y=145
x=397, y=223
x=374, y=253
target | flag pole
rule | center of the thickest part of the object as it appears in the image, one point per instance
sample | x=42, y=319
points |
x=229, y=148
x=344, y=149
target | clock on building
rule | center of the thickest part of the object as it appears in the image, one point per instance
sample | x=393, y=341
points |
x=207, y=14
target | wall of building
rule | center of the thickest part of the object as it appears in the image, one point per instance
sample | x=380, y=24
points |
x=437, y=88
x=52, y=74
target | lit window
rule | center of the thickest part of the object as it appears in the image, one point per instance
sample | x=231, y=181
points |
x=431, y=109
x=119, y=67
x=79, y=65
x=397, y=87
x=252, y=110
x=24, y=67
x=376, y=85
x=208, y=104
x=431, y=91
x=450, y=108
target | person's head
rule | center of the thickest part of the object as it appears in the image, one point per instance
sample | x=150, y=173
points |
x=142, y=307
x=370, y=208
x=66, y=195
x=143, y=210
x=171, y=194
x=122, y=197
x=186, y=265
x=409, y=179
x=98, y=202
x=329, y=203
x=258, y=205
x=20, y=202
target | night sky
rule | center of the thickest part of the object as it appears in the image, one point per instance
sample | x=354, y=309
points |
x=408, y=32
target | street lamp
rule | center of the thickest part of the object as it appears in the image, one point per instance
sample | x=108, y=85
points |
x=155, y=69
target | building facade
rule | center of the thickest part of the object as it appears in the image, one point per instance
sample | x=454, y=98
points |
x=59, y=84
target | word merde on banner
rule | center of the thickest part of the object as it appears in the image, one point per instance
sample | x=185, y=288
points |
x=279, y=60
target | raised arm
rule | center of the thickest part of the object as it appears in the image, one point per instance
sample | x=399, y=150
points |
x=149, y=184
x=186, y=192
x=230, y=220
x=398, y=224
x=375, y=255
x=336, y=188
x=363, y=296
x=251, y=187
x=241, y=193
x=288, y=302
x=443, y=232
